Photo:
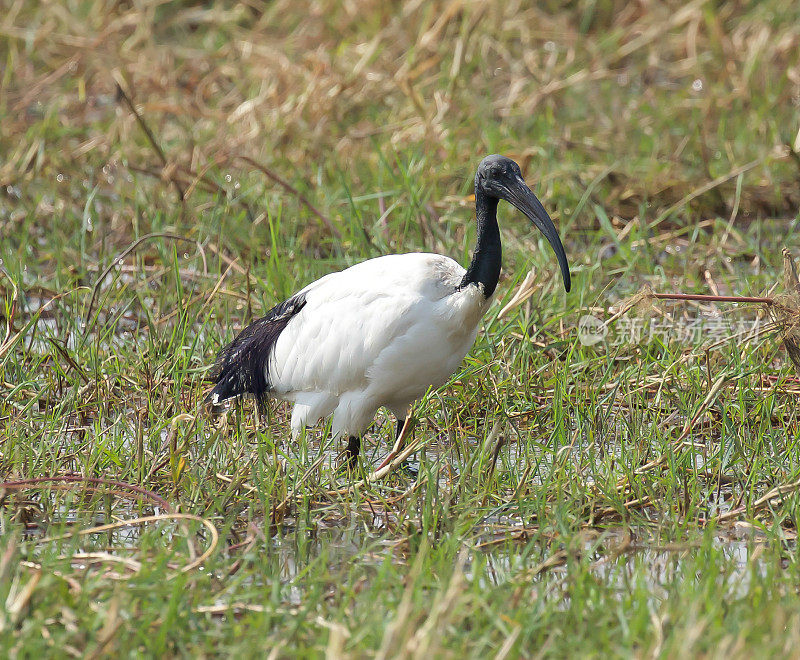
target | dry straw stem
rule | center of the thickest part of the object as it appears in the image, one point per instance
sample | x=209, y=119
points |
x=150, y=519
x=776, y=493
x=524, y=291
x=18, y=599
x=91, y=484
x=116, y=261
x=784, y=308
x=103, y=558
x=150, y=137
x=296, y=193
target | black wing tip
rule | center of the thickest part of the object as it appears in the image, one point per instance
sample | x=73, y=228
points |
x=242, y=367
x=223, y=391
x=239, y=370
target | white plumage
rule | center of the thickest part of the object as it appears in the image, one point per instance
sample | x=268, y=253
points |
x=383, y=331
x=377, y=334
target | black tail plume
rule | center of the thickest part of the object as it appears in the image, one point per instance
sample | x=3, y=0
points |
x=242, y=367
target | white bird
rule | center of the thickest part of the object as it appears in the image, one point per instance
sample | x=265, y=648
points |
x=382, y=332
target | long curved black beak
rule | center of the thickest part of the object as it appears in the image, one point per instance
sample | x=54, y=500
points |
x=522, y=197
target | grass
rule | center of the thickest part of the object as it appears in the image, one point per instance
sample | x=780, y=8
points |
x=638, y=497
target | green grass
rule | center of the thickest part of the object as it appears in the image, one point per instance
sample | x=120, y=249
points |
x=662, y=144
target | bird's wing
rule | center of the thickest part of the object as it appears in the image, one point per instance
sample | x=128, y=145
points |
x=352, y=318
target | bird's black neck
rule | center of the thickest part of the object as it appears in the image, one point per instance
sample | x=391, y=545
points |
x=485, y=265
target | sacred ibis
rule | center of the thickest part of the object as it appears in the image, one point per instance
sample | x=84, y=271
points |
x=382, y=332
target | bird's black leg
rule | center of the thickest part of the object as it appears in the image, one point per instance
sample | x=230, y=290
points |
x=353, y=447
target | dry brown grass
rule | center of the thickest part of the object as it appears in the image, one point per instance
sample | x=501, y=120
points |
x=311, y=89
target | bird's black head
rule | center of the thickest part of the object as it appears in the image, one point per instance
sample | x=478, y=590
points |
x=493, y=171
x=501, y=178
